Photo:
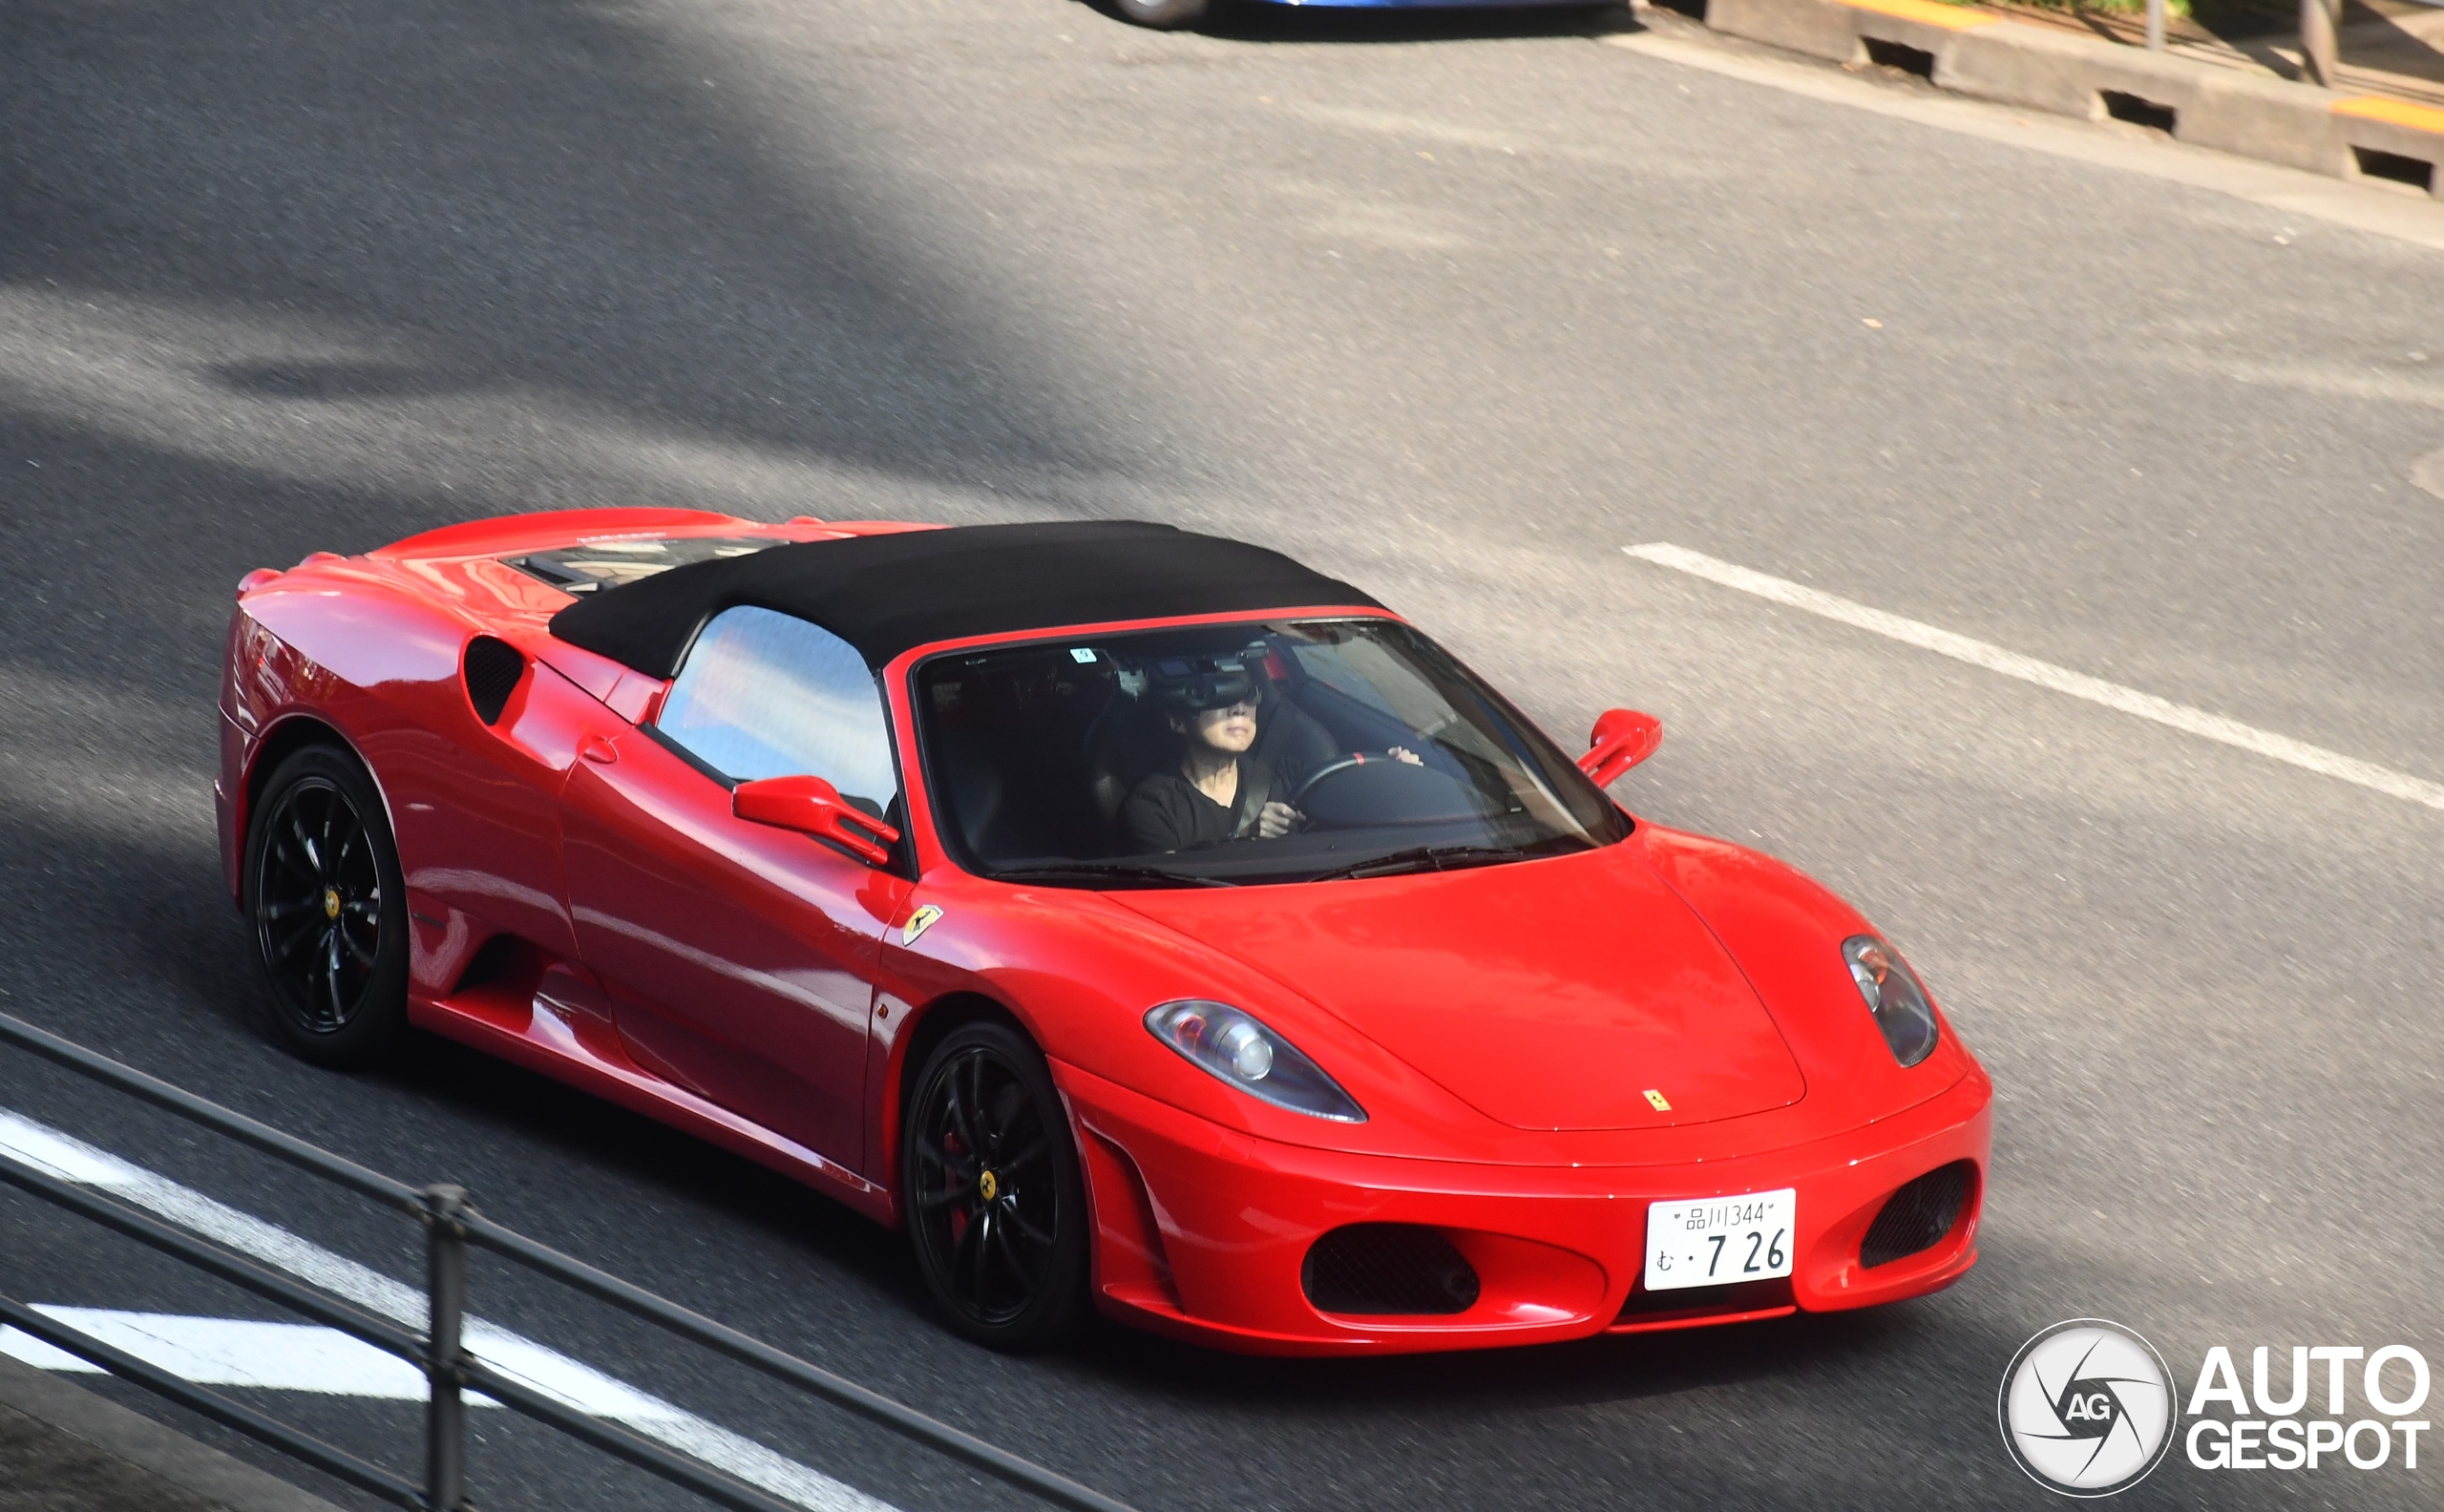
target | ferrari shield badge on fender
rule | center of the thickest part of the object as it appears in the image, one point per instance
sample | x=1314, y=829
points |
x=918, y=923
x=1657, y=1100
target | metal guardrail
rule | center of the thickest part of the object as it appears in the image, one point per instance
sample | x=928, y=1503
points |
x=452, y=1224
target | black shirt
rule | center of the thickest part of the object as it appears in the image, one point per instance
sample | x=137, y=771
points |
x=1168, y=812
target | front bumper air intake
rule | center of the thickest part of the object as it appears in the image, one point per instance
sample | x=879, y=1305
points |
x=1388, y=1270
x=1917, y=1217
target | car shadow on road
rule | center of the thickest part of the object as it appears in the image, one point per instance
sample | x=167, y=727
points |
x=1606, y=1368
x=1254, y=21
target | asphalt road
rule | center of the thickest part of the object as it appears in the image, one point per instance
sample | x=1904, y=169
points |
x=1455, y=308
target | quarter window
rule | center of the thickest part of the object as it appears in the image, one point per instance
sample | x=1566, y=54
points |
x=768, y=695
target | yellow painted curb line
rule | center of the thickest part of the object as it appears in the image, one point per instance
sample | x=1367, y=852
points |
x=1952, y=18
x=2392, y=111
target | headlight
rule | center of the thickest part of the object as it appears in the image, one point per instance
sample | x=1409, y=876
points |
x=1229, y=1044
x=1894, y=996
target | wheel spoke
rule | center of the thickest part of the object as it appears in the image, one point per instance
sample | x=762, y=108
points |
x=1014, y=1259
x=331, y=977
x=1028, y=1154
x=988, y=1123
x=1027, y=1229
x=283, y=949
x=961, y=1171
x=972, y=1098
x=963, y=1253
x=291, y=865
x=305, y=843
x=359, y=953
x=962, y=1122
x=997, y=1111
x=980, y=1232
x=994, y=1241
x=310, y=972
x=1016, y=1116
x=945, y=1180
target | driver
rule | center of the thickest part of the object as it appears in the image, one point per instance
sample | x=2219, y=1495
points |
x=1215, y=790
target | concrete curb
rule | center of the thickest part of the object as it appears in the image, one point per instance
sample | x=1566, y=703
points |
x=1974, y=52
x=65, y=1449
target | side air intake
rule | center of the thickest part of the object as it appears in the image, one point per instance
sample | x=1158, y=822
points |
x=1917, y=1217
x=1373, y=1269
x=491, y=669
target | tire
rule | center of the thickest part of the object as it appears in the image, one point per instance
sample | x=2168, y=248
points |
x=1161, y=15
x=328, y=910
x=995, y=1208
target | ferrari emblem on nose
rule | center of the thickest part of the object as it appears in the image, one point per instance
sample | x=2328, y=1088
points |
x=1660, y=1103
x=918, y=923
x=988, y=1186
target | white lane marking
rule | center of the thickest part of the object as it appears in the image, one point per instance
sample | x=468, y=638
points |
x=547, y=1371
x=2045, y=674
x=2427, y=472
x=232, y=1352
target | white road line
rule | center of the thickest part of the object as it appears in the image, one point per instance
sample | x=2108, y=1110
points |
x=2045, y=674
x=232, y=1352
x=578, y=1384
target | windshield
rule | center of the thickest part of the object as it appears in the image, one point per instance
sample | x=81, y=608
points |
x=1244, y=753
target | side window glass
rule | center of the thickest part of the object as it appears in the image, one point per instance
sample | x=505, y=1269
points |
x=768, y=695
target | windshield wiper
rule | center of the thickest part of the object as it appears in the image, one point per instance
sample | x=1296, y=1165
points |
x=1098, y=871
x=1428, y=858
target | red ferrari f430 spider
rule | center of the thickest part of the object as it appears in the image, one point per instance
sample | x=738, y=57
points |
x=1138, y=919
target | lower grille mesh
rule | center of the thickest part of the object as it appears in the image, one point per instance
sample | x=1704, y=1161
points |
x=1388, y=1269
x=1918, y=1215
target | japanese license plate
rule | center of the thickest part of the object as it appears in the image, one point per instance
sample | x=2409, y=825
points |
x=1717, y=1241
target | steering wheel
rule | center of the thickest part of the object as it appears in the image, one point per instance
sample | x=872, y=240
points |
x=1337, y=765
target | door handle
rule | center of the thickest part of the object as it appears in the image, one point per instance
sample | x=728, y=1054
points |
x=594, y=748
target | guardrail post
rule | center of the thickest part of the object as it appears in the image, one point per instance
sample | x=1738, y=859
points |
x=2317, y=41
x=445, y=1438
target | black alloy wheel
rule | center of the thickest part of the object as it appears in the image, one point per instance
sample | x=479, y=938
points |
x=329, y=909
x=993, y=1204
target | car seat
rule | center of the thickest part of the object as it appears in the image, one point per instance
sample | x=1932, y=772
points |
x=975, y=794
x=1126, y=743
x=1291, y=741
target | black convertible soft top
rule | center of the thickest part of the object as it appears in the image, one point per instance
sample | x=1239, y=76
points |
x=886, y=594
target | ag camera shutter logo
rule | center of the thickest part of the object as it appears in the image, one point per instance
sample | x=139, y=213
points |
x=2087, y=1408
